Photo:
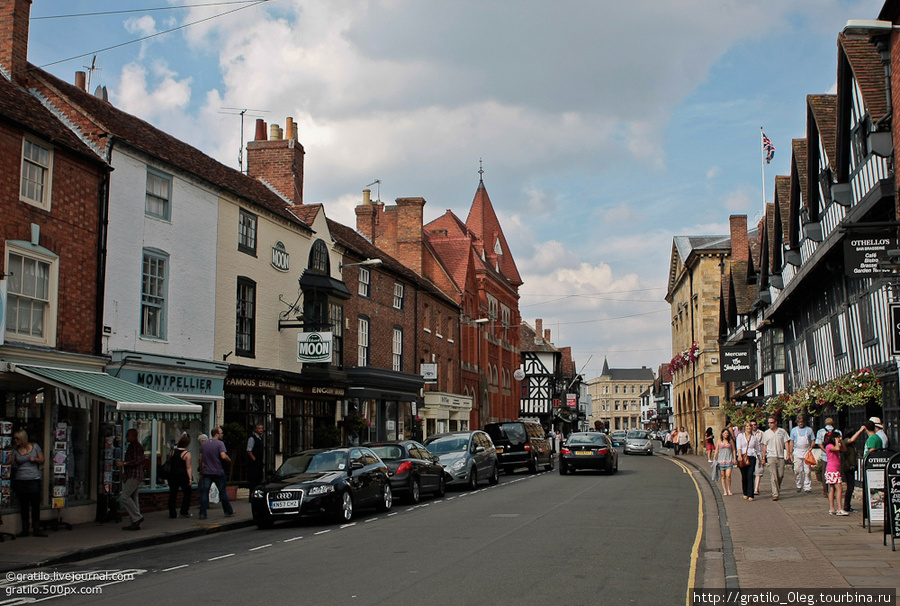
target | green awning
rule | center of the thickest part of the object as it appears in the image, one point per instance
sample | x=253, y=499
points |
x=132, y=400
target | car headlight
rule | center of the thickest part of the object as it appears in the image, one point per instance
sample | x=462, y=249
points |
x=320, y=490
x=458, y=464
x=259, y=494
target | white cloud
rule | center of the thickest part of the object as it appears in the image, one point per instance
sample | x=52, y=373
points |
x=713, y=172
x=141, y=26
x=152, y=94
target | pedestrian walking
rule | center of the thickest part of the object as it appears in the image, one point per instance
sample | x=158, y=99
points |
x=747, y=444
x=802, y=438
x=27, y=481
x=760, y=462
x=673, y=441
x=684, y=440
x=725, y=459
x=255, y=456
x=214, y=453
x=133, y=475
x=180, y=477
x=710, y=445
x=833, y=448
x=776, y=450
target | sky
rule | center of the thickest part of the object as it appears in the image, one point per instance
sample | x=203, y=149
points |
x=604, y=128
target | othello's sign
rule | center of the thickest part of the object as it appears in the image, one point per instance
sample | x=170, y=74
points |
x=314, y=347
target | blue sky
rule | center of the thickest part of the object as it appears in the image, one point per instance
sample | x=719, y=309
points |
x=605, y=128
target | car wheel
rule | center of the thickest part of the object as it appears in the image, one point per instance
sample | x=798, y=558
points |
x=345, y=513
x=532, y=465
x=387, y=498
x=472, y=480
x=550, y=464
x=264, y=523
x=563, y=470
x=442, y=487
x=414, y=491
x=495, y=476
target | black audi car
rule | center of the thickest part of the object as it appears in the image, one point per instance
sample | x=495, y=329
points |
x=588, y=450
x=414, y=470
x=324, y=482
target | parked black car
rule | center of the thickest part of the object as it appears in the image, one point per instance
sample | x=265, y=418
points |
x=323, y=482
x=588, y=450
x=521, y=443
x=467, y=457
x=414, y=470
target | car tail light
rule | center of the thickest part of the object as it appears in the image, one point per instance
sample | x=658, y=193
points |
x=527, y=447
x=404, y=467
x=602, y=450
x=564, y=450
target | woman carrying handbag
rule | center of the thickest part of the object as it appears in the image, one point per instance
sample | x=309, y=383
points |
x=748, y=447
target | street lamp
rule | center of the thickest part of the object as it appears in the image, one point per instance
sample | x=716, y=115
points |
x=366, y=263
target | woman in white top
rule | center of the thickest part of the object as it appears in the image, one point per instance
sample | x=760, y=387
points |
x=749, y=445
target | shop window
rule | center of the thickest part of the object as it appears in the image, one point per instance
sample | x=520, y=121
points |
x=37, y=161
x=31, y=294
x=247, y=410
x=154, y=291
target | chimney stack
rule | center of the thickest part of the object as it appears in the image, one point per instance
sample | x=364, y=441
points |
x=81, y=80
x=539, y=328
x=547, y=335
x=277, y=161
x=14, y=17
x=740, y=248
x=409, y=232
x=367, y=217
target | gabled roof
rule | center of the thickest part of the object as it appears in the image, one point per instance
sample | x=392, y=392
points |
x=783, y=202
x=799, y=164
x=142, y=136
x=483, y=223
x=530, y=341
x=823, y=109
x=865, y=61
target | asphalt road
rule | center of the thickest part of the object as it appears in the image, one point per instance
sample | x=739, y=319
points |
x=584, y=538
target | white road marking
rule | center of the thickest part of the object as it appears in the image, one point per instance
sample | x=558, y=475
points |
x=221, y=557
x=371, y=520
x=174, y=568
x=348, y=525
x=260, y=547
x=322, y=532
x=294, y=539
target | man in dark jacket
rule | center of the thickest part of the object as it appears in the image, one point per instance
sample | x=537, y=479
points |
x=255, y=456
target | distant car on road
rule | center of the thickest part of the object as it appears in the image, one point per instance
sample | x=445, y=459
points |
x=414, y=470
x=618, y=437
x=521, y=444
x=467, y=457
x=323, y=482
x=638, y=441
x=588, y=450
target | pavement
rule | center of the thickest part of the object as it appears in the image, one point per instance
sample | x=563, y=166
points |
x=789, y=543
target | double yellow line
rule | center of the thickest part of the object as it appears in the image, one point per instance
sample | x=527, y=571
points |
x=695, y=551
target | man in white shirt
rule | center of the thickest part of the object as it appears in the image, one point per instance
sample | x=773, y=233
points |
x=802, y=438
x=776, y=449
x=880, y=431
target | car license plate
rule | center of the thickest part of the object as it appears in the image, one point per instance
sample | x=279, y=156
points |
x=583, y=452
x=292, y=504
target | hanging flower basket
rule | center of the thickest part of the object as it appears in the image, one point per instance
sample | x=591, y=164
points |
x=686, y=357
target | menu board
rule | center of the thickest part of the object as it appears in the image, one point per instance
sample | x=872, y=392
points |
x=6, y=459
x=892, y=498
x=874, y=467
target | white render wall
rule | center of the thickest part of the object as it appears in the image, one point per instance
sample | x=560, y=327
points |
x=190, y=241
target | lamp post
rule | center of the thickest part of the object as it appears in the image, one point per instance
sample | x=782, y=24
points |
x=483, y=397
x=366, y=263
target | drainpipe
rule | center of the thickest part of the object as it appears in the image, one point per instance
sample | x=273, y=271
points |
x=696, y=435
x=102, y=246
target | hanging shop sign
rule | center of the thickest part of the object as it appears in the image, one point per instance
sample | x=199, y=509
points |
x=873, y=488
x=892, y=499
x=865, y=252
x=429, y=372
x=736, y=364
x=314, y=346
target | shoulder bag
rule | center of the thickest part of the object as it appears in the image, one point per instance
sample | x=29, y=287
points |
x=810, y=458
x=743, y=460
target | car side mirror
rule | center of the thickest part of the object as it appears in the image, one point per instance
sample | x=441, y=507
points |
x=479, y=449
x=356, y=465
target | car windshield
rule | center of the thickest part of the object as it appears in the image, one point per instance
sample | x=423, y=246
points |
x=514, y=432
x=390, y=452
x=637, y=435
x=586, y=439
x=619, y=434
x=448, y=444
x=313, y=462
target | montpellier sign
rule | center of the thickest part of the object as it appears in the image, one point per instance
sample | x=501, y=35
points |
x=314, y=346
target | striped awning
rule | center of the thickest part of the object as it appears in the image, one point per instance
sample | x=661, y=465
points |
x=131, y=400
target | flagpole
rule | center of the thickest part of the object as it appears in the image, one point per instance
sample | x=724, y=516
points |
x=762, y=161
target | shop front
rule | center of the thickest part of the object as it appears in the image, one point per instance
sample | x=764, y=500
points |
x=385, y=404
x=65, y=403
x=443, y=412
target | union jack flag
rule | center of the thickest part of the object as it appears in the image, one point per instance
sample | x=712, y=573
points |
x=768, y=148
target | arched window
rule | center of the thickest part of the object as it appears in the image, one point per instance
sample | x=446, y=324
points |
x=318, y=258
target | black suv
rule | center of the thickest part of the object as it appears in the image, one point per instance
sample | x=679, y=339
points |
x=521, y=443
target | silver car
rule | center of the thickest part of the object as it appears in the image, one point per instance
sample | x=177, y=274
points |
x=467, y=457
x=638, y=441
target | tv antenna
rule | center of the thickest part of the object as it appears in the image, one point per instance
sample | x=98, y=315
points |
x=235, y=111
x=377, y=190
x=90, y=71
